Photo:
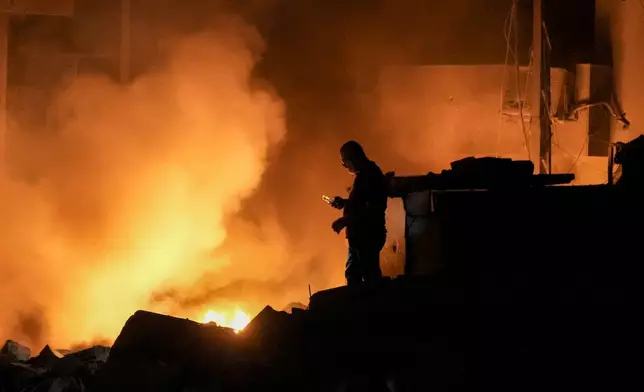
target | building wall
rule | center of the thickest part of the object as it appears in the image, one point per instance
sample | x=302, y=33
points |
x=626, y=18
x=449, y=112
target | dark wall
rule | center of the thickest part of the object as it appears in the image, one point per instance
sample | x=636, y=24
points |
x=571, y=26
x=328, y=33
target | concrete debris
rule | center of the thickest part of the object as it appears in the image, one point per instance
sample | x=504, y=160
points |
x=16, y=376
x=70, y=366
x=59, y=385
x=67, y=385
x=424, y=332
x=149, y=353
x=15, y=351
x=48, y=352
x=51, y=371
x=630, y=156
x=93, y=354
x=47, y=358
x=316, y=349
x=267, y=324
x=91, y=358
x=294, y=307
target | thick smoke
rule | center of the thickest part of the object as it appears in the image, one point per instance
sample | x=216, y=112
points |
x=160, y=195
x=320, y=71
x=132, y=189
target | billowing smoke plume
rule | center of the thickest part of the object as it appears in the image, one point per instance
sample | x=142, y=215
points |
x=180, y=193
x=131, y=191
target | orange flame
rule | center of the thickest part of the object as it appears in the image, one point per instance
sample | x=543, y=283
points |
x=238, y=320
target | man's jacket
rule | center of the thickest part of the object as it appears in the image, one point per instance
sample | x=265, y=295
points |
x=365, y=208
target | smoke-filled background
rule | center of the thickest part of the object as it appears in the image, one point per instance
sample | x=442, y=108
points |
x=131, y=191
x=197, y=184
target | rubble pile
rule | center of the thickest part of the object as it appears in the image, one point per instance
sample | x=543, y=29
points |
x=364, y=338
x=630, y=156
x=50, y=370
x=499, y=313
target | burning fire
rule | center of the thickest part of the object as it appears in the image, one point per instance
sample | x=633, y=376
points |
x=161, y=165
x=237, y=321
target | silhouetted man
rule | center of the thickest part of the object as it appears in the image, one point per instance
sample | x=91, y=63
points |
x=363, y=215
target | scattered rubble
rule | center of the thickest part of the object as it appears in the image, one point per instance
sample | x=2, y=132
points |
x=302, y=350
x=50, y=370
x=499, y=314
x=15, y=352
x=405, y=334
x=294, y=306
x=46, y=359
x=630, y=156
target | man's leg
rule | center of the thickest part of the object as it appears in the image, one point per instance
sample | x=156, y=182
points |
x=354, y=270
x=372, y=271
x=371, y=259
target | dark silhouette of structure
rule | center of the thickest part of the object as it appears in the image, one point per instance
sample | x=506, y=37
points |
x=501, y=310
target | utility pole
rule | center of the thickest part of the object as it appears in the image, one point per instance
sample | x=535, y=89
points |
x=126, y=37
x=540, y=125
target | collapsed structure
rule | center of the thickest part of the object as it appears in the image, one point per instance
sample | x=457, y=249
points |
x=510, y=284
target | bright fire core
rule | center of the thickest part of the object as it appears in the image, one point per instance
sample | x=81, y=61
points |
x=238, y=320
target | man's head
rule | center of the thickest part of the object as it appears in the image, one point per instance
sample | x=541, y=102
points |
x=353, y=156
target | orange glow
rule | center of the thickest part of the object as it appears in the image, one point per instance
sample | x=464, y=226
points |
x=238, y=320
x=132, y=193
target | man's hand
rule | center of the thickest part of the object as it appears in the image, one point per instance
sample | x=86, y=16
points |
x=338, y=203
x=338, y=225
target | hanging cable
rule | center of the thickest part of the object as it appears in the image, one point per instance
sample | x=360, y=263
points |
x=510, y=31
x=517, y=69
x=546, y=97
x=508, y=48
x=581, y=152
x=621, y=117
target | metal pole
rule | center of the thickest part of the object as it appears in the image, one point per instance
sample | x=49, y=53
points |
x=611, y=162
x=535, y=90
x=126, y=16
x=541, y=128
x=546, y=121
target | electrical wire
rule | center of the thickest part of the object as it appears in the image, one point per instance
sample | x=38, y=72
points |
x=621, y=118
x=517, y=70
x=576, y=157
x=529, y=73
x=508, y=49
x=547, y=99
x=508, y=27
x=579, y=154
x=511, y=30
x=587, y=106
